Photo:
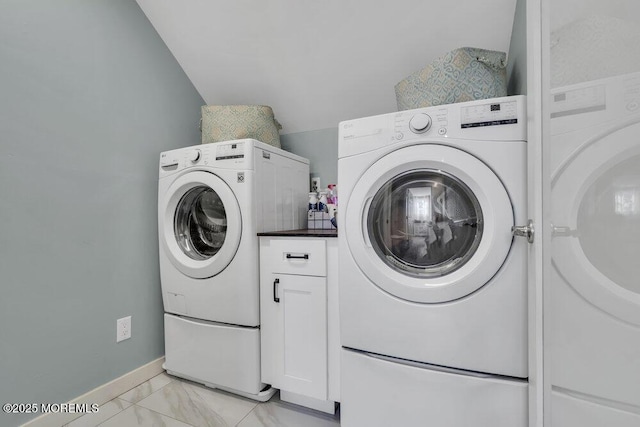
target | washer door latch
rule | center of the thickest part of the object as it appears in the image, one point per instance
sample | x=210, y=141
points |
x=524, y=231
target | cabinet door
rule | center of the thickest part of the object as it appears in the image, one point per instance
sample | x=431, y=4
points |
x=294, y=334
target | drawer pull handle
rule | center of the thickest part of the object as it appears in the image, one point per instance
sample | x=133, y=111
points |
x=305, y=256
x=275, y=290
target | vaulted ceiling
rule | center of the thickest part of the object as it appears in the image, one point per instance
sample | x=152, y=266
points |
x=319, y=62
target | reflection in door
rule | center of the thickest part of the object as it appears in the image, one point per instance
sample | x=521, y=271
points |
x=592, y=349
x=425, y=223
x=200, y=223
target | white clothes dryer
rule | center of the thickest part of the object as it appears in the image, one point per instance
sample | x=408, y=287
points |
x=213, y=199
x=430, y=274
x=594, y=293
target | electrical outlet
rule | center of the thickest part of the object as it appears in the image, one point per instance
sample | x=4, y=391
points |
x=123, y=329
x=315, y=183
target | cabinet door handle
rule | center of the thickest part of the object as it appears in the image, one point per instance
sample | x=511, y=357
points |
x=304, y=256
x=275, y=290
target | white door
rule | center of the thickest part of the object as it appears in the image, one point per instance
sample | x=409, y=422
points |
x=590, y=181
x=294, y=333
x=595, y=217
x=593, y=284
x=429, y=223
x=201, y=224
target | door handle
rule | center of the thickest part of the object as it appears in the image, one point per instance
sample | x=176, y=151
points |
x=303, y=256
x=563, y=231
x=275, y=290
x=524, y=231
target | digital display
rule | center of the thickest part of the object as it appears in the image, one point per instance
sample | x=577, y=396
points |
x=490, y=114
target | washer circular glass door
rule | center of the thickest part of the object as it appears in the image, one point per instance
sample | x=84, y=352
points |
x=429, y=223
x=201, y=224
x=595, y=214
x=425, y=223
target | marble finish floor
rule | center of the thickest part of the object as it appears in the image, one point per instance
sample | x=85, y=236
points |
x=173, y=402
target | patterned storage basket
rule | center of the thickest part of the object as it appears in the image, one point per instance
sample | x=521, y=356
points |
x=228, y=122
x=461, y=75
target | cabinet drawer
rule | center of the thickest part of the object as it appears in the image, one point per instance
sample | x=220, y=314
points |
x=307, y=257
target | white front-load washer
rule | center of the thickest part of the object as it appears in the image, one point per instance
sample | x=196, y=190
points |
x=213, y=199
x=433, y=285
x=593, y=298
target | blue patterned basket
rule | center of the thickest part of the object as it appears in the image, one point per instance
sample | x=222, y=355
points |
x=228, y=122
x=464, y=74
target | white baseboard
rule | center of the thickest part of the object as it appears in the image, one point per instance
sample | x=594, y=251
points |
x=102, y=394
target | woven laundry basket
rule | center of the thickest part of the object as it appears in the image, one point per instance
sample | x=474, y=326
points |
x=229, y=122
x=464, y=74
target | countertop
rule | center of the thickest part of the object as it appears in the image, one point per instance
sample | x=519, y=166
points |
x=302, y=233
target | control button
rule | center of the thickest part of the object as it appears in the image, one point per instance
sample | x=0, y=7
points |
x=194, y=156
x=442, y=131
x=420, y=123
x=399, y=135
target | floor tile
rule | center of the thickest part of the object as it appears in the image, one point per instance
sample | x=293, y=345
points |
x=147, y=388
x=137, y=416
x=198, y=405
x=276, y=413
x=106, y=411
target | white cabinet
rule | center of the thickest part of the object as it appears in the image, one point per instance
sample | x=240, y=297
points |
x=298, y=315
x=294, y=334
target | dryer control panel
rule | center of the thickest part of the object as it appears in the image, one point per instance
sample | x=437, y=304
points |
x=489, y=114
x=434, y=121
x=497, y=119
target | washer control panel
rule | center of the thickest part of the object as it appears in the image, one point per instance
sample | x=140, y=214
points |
x=435, y=121
x=225, y=155
x=420, y=123
x=496, y=119
x=194, y=156
x=489, y=114
x=234, y=150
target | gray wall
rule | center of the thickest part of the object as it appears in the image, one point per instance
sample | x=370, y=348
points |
x=517, y=59
x=321, y=148
x=89, y=97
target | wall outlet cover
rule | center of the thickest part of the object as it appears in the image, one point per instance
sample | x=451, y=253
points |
x=123, y=329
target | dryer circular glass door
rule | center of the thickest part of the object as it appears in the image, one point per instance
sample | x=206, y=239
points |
x=595, y=204
x=429, y=223
x=201, y=224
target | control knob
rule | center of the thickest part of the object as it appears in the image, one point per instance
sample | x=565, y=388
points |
x=194, y=156
x=420, y=123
